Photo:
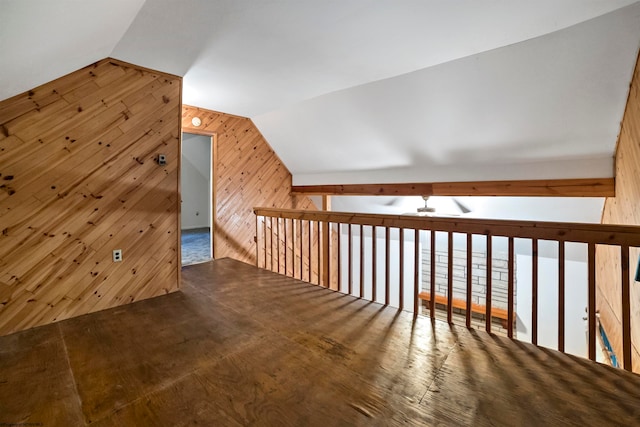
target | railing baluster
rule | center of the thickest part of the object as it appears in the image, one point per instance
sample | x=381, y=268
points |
x=319, y=250
x=339, y=256
x=271, y=243
x=432, y=284
x=416, y=271
x=350, y=246
x=510, y=270
x=326, y=254
x=264, y=232
x=489, y=283
x=329, y=253
x=294, y=239
x=534, y=291
x=626, y=308
x=278, y=245
x=387, y=265
x=374, y=264
x=301, y=231
x=257, y=245
x=292, y=229
x=361, y=261
x=310, y=246
x=469, y=276
x=286, y=272
x=449, y=277
x=401, y=266
x=561, y=296
x=591, y=317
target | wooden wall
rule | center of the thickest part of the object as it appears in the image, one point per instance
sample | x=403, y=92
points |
x=624, y=208
x=77, y=180
x=247, y=173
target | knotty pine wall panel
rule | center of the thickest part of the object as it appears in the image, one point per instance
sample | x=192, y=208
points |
x=624, y=208
x=78, y=178
x=247, y=174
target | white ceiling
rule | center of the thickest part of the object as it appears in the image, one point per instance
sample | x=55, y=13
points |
x=563, y=209
x=41, y=40
x=353, y=91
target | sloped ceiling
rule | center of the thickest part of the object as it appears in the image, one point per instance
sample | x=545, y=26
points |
x=353, y=91
x=42, y=40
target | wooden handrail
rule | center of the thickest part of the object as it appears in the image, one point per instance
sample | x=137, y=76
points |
x=605, y=234
x=591, y=235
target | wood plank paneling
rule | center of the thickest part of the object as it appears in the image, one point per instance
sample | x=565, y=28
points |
x=248, y=173
x=77, y=180
x=622, y=209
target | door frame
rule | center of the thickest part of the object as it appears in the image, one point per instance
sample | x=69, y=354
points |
x=212, y=181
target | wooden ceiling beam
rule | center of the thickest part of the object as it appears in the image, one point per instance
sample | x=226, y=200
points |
x=583, y=187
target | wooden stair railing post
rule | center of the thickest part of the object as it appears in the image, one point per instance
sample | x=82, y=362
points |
x=301, y=231
x=469, y=276
x=319, y=252
x=489, y=282
x=401, y=266
x=278, y=242
x=416, y=271
x=286, y=246
x=561, y=296
x=350, y=262
x=257, y=243
x=626, y=308
x=374, y=264
x=387, y=265
x=361, y=261
x=534, y=291
x=449, y=277
x=310, y=247
x=264, y=231
x=294, y=246
x=271, y=243
x=326, y=243
x=510, y=288
x=591, y=310
x=339, y=256
x=432, y=274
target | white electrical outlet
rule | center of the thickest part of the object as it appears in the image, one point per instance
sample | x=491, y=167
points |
x=117, y=255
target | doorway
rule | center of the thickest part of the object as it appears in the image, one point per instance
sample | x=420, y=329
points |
x=196, y=190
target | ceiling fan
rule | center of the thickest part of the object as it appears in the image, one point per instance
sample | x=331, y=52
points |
x=428, y=210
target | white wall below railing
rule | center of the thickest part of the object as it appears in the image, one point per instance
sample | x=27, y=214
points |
x=394, y=265
x=576, y=285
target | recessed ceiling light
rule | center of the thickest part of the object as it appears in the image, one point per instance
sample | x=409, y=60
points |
x=196, y=121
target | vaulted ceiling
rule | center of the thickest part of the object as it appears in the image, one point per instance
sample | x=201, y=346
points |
x=353, y=91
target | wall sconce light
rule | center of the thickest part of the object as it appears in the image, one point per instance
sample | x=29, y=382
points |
x=196, y=121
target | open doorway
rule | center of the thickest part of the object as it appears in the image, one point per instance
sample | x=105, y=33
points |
x=196, y=190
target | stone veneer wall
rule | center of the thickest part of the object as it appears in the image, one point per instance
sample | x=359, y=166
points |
x=499, y=271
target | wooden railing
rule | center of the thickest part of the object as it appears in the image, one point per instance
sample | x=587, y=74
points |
x=289, y=242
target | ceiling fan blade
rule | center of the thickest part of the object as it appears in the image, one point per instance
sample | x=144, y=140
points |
x=464, y=209
x=393, y=202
